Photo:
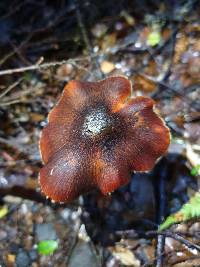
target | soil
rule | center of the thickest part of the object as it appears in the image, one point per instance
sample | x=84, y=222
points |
x=90, y=40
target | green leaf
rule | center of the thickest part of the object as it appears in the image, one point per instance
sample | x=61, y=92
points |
x=3, y=211
x=154, y=38
x=188, y=211
x=167, y=223
x=47, y=247
x=195, y=170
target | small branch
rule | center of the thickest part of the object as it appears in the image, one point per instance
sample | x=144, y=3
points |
x=87, y=41
x=182, y=240
x=168, y=87
x=150, y=234
x=82, y=28
x=16, y=50
x=41, y=66
x=8, y=103
x=11, y=87
x=160, y=250
x=161, y=215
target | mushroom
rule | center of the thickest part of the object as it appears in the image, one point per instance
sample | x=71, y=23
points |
x=96, y=136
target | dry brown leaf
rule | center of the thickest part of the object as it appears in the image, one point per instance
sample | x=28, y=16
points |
x=125, y=256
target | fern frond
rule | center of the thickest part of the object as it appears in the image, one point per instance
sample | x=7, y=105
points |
x=188, y=211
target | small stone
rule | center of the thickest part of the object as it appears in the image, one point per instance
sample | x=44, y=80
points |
x=181, y=228
x=12, y=199
x=13, y=248
x=11, y=258
x=24, y=209
x=23, y=259
x=64, y=71
x=28, y=242
x=3, y=235
x=195, y=227
x=125, y=256
x=33, y=255
x=45, y=231
x=99, y=30
x=11, y=232
x=107, y=67
x=149, y=252
x=83, y=255
x=23, y=118
x=66, y=214
x=39, y=219
x=171, y=244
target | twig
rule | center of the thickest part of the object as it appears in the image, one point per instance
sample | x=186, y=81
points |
x=17, y=99
x=42, y=66
x=160, y=250
x=161, y=215
x=169, y=87
x=11, y=102
x=87, y=41
x=149, y=234
x=11, y=87
x=13, y=9
x=13, y=143
x=16, y=50
x=29, y=150
x=82, y=28
x=182, y=240
x=20, y=54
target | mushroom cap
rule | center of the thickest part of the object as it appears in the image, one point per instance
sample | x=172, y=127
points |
x=97, y=134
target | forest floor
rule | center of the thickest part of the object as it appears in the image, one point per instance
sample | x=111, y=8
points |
x=43, y=45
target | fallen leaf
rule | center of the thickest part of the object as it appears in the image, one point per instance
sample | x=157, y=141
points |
x=154, y=38
x=47, y=247
x=125, y=256
x=3, y=211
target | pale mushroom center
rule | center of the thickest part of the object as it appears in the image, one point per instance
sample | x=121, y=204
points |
x=96, y=122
